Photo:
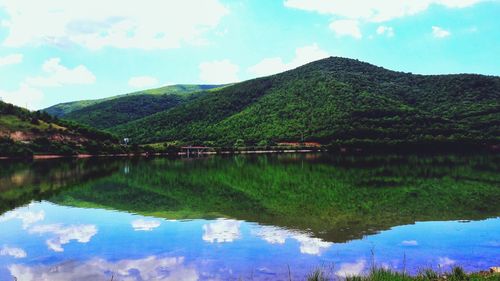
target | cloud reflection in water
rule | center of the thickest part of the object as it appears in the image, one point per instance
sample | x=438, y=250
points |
x=351, y=269
x=17, y=253
x=308, y=245
x=64, y=234
x=149, y=268
x=145, y=225
x=221, y=231
x=28, y=218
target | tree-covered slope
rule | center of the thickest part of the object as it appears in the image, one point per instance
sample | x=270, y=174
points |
x=334, y=100
x=63, y=109
x=23, y=133
x=118, y=111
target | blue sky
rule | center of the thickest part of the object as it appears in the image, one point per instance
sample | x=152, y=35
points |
x=54, y=51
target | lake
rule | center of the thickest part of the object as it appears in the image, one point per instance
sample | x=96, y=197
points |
x=267, y=217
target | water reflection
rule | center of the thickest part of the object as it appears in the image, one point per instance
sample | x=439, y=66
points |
x=27, y=217
x=246, y=217
x=17, y=253
x=103, y=243
x=308, y=245
x=145, y=225
x=221, y=231
x=22, y=182
x=61, y=234
x=351, y=269
x=149, y=268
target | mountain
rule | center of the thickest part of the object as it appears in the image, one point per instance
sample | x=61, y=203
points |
x=62, y=109
x=23, y=133
x=110, y=113
x=333, y=101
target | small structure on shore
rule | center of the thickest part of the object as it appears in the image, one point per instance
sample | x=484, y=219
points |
x=197, y=150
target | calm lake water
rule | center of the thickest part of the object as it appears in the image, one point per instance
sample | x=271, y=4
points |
x=246, y=217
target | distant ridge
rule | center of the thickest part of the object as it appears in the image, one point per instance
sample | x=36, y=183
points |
x=62, y=109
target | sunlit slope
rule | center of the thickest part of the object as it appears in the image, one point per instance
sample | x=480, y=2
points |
x=63, y=109
x=23, y=132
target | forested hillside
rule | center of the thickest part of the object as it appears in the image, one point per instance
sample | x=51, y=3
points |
x=333, y=101
x=118, y=111
x=63, y=109
x=23, y=133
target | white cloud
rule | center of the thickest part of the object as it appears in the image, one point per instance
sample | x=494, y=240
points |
x=439, y=32
x=221, y=231
x=142, y=81
x=351, y=269
x=308, y=245
x=58, y=75
x=27, y=217
x=149, y=268
x=303, y=55
x=311, y=245
x=64, y=234
x=445, y=261
x=273, y=235
x=346, y=28
x=144, y=225
x=156, y=24
x=409, y=243
x=219, y=72
x=55, y=75
x=17, y=253
x=11, y=59
x=375, y=10
x=269, y=66
x=385, y=30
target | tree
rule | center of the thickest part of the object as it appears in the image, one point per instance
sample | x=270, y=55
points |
x=239, y=143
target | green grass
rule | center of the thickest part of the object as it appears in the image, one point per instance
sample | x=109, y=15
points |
x=14, y=123
x=381, y=274
x=23, y=133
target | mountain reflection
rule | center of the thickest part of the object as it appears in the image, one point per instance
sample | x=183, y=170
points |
x=45, y=241
x=334, y=198
x=23, y=182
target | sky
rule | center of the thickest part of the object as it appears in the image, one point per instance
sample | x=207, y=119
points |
x=54, y=51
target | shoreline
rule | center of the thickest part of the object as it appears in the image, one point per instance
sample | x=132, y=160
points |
x=236, y=152
x=193, y=154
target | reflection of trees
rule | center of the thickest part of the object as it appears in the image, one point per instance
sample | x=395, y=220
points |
x=20, y=183
x=336, y=198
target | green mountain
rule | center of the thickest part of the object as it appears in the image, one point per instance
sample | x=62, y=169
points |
x=23, y=133
x=333, y=101
x=110, y=113
x=64, y=109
